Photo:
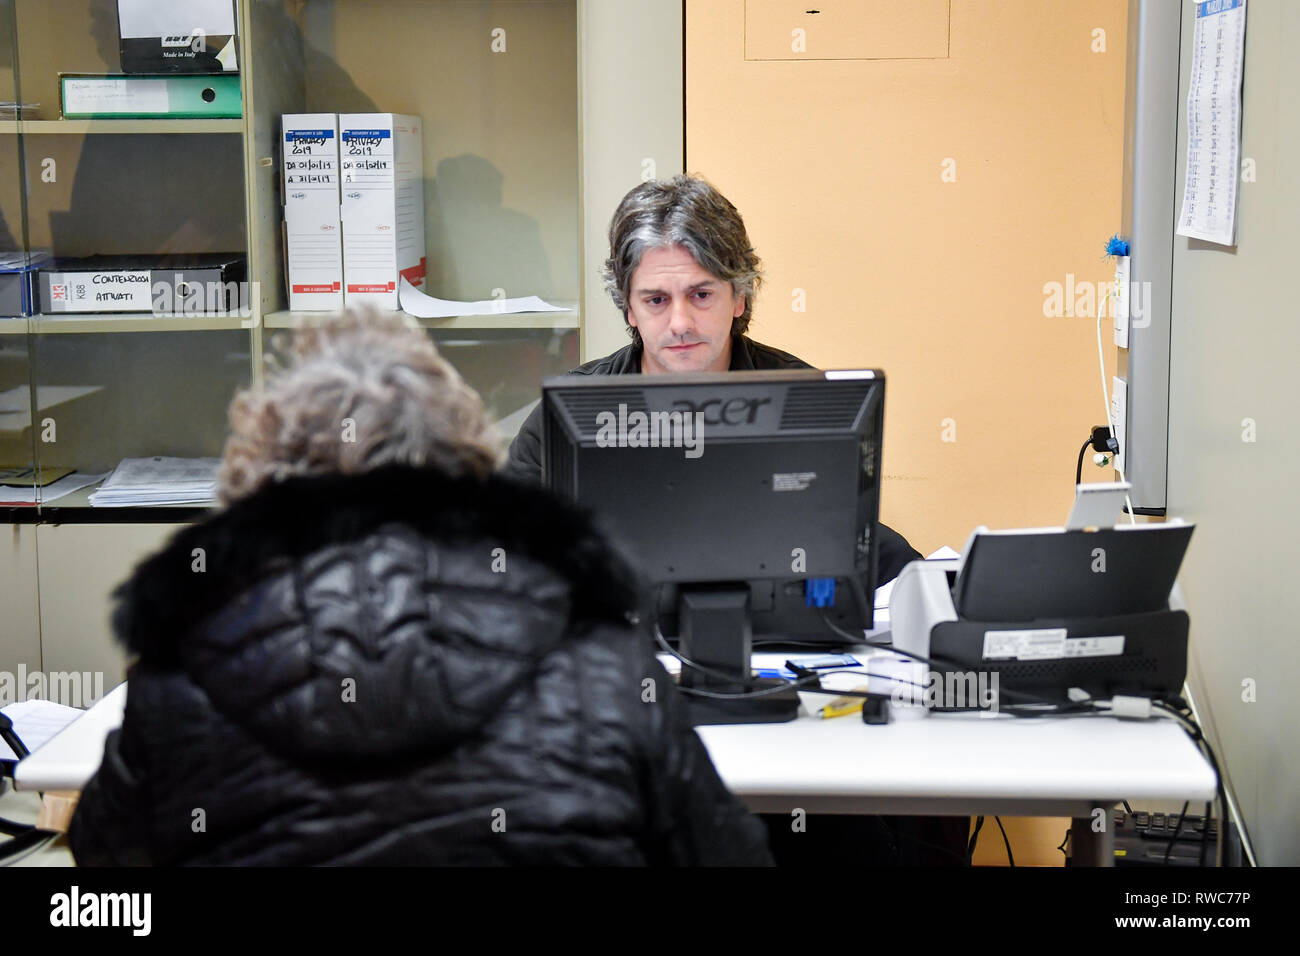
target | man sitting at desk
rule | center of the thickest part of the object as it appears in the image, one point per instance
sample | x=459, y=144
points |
x=684, y=274
x=682, y=271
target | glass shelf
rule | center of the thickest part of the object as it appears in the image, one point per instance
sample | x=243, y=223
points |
x=138, y=322
x=502, y=210
x=81, y=127
x=477, y=323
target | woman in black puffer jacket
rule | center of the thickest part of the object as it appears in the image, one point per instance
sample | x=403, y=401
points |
x=379, y=653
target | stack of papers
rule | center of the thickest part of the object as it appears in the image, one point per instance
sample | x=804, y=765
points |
x=36, y=722
x=159, y=481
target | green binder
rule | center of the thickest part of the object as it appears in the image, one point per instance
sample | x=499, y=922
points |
x=87, y=96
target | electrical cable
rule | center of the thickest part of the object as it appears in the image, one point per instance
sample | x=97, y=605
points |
x=805, y=682
x=938, y=662
x=10, y=736
x=1231, y=812
x=1193, y=730
x=974, y=838
x=1205, y=830
x=809, y=682
x=1078, y=468
x=13, y=827
x=1177, y=828
x=32, y=841
x=1011, y=861
x=946, y=851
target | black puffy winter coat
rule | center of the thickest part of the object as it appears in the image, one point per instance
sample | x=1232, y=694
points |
x=399, y=668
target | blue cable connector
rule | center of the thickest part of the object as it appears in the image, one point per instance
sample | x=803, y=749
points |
x=819, y=592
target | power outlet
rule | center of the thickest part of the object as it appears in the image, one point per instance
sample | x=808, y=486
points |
x=1120, y=309
x=1119, y=417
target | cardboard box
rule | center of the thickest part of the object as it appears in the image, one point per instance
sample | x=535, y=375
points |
x=382, y=165
x=201, y=284
x=178, y=36
x=312, y=230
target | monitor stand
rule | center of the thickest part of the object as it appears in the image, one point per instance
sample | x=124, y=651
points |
x=716, y=632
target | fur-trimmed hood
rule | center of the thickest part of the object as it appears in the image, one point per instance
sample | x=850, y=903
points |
x=374, y=615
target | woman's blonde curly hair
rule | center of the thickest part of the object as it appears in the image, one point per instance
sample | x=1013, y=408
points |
x=362, y=390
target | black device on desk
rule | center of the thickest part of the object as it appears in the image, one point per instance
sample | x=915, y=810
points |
x=750, y=501
x=1052, y=609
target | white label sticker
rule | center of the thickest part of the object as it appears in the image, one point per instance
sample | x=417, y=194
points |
x=1110, y=646
x=101, y=291
x=793, y=481
x=1024, y=645
x=1048, y=644
x=100, y=95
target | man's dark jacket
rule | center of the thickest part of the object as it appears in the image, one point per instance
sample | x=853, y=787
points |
x=399, y=668
x=525, y=460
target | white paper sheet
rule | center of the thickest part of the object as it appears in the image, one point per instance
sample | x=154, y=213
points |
x=416, y=303
x=147, y=18
x=1209, y=208
x=159, y=481
x=51, y=492
x=36, y=722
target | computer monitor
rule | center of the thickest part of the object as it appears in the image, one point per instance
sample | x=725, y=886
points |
x=749, y=500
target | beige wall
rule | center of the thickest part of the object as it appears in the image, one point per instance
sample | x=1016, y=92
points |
x=836, y=165
x=1234, y=446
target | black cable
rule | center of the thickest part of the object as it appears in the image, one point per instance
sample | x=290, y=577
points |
x=1127, y=808
x=13, y=827
x=805, y=683
x=1011, y=860
x=1078, y=469
x=974, y=838
x=10, y=736
x=809, y=682
x=1205, y=831
x=1064, y=841
x=1193, y=730
x=824, y=647
x=947, y=851
x=939, y=662
x=25, y=841
x=750, y=694
x=1178, y=827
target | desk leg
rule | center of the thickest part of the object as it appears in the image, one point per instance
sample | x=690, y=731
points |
x=1087, y=846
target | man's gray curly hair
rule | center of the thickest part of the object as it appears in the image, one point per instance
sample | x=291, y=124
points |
x=683, y=211
x=362, y=390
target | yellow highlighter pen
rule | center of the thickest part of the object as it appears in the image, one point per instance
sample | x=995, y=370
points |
x=842, y=706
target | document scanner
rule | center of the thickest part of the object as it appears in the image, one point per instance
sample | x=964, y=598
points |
x=1050, y=609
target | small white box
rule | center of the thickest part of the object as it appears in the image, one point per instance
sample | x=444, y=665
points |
x=313, y=233
x=178, y=36
x=382, y=161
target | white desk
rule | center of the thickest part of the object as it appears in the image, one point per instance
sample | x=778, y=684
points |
x=69, y=760
x=963, y=765
x=958, y=765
